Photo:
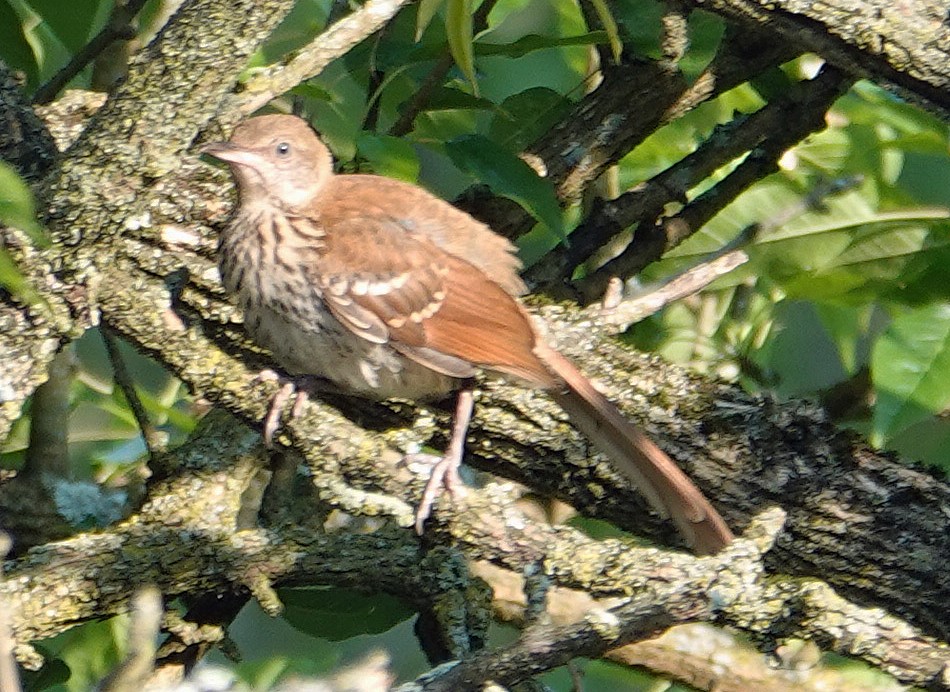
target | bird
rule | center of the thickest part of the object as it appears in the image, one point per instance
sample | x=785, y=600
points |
x=389, y=291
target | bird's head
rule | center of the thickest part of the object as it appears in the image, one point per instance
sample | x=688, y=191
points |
x=275, y=157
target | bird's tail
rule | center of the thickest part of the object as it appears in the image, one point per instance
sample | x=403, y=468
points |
x=669, y=490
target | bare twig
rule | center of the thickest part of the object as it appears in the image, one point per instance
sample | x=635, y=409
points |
x=420, y=98
x=621, y=313
x=118, y=28
x=133, y=673
x=312, y=58
x=124, y=379
x=687, y=283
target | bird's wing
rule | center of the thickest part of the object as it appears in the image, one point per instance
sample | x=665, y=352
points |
x=391, y=286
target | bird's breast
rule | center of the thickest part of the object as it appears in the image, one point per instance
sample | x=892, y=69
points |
x=284, y=311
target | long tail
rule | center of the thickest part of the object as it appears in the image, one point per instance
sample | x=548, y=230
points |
x=668, y=489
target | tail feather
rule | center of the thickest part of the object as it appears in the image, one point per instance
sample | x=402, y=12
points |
x=662, y=482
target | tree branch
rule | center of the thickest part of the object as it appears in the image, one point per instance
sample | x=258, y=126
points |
x=309, y=61
x=800, y=113
x=905, y=44
x=601, y=129
x=857, y=518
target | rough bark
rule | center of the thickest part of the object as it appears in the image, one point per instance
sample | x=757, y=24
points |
x=131, y=214
x=904, y=44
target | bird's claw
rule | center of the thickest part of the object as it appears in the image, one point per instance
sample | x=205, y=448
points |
x=444, y=474
x=290, y=388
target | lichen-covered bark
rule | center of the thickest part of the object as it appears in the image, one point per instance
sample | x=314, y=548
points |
x=173, y=88
x=101, y=186
x=125, y=196
x=904, y=43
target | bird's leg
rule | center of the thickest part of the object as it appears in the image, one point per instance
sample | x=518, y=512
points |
x=446, y=471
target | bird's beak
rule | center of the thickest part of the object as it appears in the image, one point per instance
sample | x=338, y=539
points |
x=229, y=153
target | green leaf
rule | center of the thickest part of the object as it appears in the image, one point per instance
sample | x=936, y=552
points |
x=307, y=19
x=338, y=614
x=17, y=210
x=312, y=91
x=427, y=10
x=910, y=368
x=48, y=50
x=458, y=28
x=16, y=205
x=52, y=676
x=266, y=673
x=447, y=98
x=525, y=116
x=705, y=31
x=508, y=176
x=17, y=52
x=392, y=157
x=532, y=42
x=74, y=22
x=13, y=281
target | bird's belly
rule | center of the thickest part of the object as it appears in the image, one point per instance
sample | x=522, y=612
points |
x=326, y=349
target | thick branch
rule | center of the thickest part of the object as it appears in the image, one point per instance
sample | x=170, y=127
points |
x=787, y=121
x=743, y=451
x=904, y=43
x=602, y=128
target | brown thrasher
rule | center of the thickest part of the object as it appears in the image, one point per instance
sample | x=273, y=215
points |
x=389, y=291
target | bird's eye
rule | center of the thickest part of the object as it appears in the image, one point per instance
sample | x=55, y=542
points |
x=283, y=149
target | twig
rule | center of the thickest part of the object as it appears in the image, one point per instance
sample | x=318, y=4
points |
x=436, y=76
x=622, y=312
x=118, y=28
x=377, y=79
x=550, y=647
x=601, y=54
x=126, y=383
x=315, y=56
x=133, y=673
x=687, y=283
x=421, y=97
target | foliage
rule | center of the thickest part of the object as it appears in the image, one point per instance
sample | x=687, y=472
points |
x=856, y=284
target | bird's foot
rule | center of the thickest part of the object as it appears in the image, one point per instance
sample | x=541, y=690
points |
x=445, y=469
x=298, y=388
x=443, y=474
